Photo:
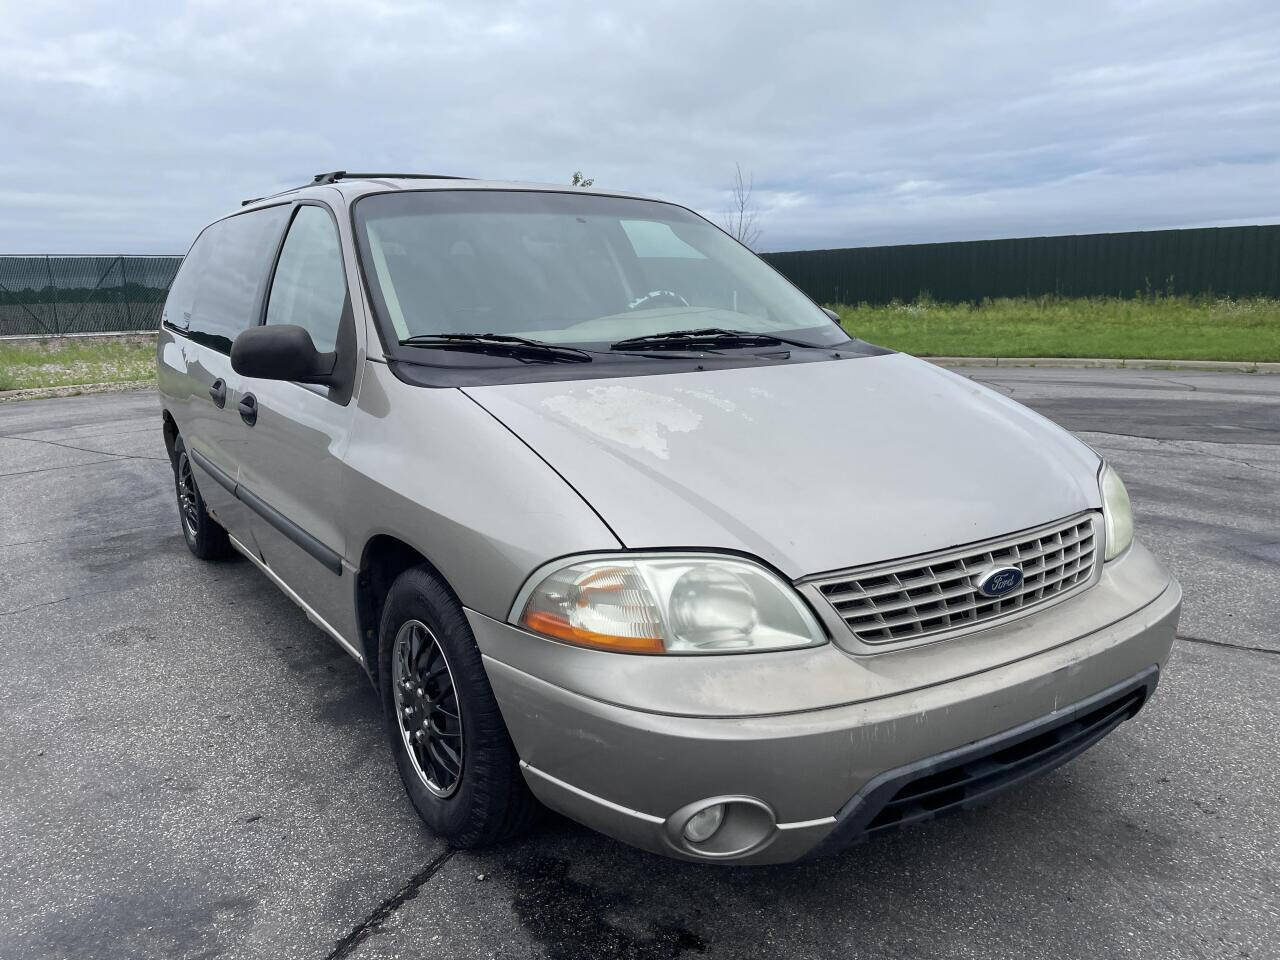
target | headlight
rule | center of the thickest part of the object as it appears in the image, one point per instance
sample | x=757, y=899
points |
x=1116, y=513
x=665, y=603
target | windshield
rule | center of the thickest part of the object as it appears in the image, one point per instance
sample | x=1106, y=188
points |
x=566, y=268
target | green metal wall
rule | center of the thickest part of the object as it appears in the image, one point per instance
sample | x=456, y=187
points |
x=1220, y=261
x=53, y=295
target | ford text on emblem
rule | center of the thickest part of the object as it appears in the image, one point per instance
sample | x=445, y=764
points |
x=999, y=581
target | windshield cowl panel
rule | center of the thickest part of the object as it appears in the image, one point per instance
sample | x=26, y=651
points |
x=567, y=270
x=441, y=368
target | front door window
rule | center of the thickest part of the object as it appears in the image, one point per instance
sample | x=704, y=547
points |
x=309, y=288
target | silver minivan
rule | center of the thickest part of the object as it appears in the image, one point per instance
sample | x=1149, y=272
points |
x=621, y=523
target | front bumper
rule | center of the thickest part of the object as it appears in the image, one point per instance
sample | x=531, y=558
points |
x=605, y=741
x=970, y=775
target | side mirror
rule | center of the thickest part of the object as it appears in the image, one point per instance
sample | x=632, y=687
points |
x=831, y=313
x=281, y=351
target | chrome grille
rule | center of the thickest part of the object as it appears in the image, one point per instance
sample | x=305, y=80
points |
x=936, y=594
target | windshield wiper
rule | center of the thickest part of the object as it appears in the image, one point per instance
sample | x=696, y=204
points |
x=708, y=336
x=501, y=344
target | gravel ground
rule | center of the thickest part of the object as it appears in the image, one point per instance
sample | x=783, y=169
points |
x=192, y=770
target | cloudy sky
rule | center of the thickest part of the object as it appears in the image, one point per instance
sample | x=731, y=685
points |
x=127, y=126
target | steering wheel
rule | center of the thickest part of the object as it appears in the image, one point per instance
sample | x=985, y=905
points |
x=658, y=298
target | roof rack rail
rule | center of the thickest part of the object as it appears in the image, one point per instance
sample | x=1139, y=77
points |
x=336, y=175
x=343, y=175
x=269, y=196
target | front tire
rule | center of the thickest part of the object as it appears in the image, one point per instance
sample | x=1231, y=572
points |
x=451, y=746
x=205, y=537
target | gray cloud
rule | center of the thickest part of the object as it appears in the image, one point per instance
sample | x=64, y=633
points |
x=129, y=126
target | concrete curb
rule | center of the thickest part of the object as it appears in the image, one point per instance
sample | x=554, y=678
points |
x=57, y=337
x=1232, y=366
x=74, y=390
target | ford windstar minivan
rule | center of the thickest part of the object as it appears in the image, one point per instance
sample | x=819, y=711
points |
x=621, y=523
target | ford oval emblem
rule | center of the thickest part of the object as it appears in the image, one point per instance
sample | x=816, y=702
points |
x=999, y=581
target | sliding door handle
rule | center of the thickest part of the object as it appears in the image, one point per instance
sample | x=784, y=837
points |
x=249, y=409
x=218, y=393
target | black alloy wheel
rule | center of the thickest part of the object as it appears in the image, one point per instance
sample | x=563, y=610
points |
x=427, y=709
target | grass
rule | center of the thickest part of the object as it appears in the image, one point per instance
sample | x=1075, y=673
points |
x=1179, y=328
x=76, y=360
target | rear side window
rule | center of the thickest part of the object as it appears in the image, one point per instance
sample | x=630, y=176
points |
x=231, y=260
x=182, y=292
x=309, y=289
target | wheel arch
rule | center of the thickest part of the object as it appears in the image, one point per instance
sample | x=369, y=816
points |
x=170, y=433
x=384, y=557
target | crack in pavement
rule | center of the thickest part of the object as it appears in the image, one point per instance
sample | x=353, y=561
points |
x=1149, y=382
x=71, y=446
x=1228, y=645
x=50, y=603
x=1190, y=386
x=1177, y=443
x=98, y=430
x=101, y=431
x=387, y=907
x=72, y=466
x=78, y=536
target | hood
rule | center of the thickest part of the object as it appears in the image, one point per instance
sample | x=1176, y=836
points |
x=809, y=466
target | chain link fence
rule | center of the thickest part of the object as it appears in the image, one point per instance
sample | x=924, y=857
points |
x=57, y=295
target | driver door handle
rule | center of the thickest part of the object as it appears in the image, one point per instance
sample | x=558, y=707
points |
x=249, y=409
x=218, y=393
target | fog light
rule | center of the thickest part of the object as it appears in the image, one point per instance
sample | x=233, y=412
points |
x=703, y=824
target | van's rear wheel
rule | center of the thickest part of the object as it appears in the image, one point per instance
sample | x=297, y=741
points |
x=205, y=538
x=455, y=757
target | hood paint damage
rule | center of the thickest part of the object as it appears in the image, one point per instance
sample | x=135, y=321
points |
x=811, y=467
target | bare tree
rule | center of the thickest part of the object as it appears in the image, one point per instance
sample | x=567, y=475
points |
x=578, y=180
x=742, y=220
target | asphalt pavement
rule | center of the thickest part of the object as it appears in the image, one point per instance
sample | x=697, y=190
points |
x=190, y=769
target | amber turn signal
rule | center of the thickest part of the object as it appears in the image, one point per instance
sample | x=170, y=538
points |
x=558, y=627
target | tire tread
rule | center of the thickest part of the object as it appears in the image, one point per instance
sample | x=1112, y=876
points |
x=212, y=542
x=500, y=806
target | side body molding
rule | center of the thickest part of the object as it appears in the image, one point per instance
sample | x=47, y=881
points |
x=327, y=557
